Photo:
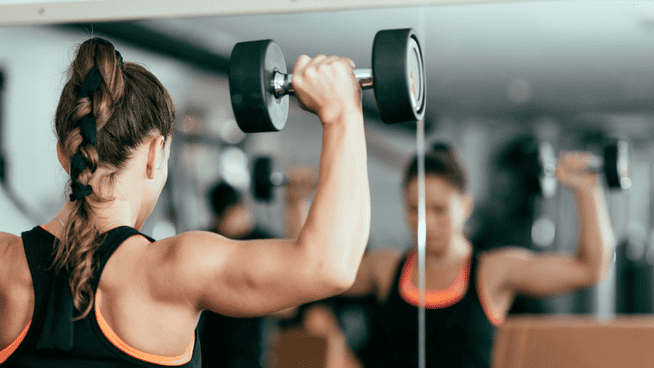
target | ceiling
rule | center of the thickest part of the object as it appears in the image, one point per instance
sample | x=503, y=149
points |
x=499, y=59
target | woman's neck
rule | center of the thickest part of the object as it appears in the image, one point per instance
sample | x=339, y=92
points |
x=460, y=250
x=109, y=215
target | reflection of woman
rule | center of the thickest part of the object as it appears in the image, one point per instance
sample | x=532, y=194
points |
x=88, y=289
x=468, y=292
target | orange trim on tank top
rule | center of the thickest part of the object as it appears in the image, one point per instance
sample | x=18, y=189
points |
x=120, y=344
x=150, y=358
x=433, y=298
x=147, y=357
x=444, y=297
x=6, y=352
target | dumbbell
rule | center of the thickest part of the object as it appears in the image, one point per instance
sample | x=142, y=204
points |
x=259, y=84
x=614, y=163
x=265, y=179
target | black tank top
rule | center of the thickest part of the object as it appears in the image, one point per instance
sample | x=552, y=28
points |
x=459, y=335
x=52, y=339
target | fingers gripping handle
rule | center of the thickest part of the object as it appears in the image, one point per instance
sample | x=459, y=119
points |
x=283, y=86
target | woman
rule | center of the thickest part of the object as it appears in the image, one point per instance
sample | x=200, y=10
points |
x=88, y=288
x=468, y=293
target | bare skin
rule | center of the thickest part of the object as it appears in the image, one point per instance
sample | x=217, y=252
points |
x=152, y=295
x=505, y=272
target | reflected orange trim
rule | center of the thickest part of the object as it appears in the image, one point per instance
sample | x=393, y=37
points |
x=6, y=352
x=494, y=316
x=433, y=298
x=150, y=358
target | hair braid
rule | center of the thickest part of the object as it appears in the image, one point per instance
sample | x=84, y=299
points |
x=128, y=106
x=98, y=86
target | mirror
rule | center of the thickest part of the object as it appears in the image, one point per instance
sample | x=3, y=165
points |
x=570, y=73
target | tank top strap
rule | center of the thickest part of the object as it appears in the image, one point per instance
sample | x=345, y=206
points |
x=54, y=307
x=53, y=304
x=114, y=238
x=474, y=264
x=397, y=279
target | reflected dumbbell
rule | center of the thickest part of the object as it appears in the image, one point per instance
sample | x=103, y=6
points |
x=259, y=84
x=614, y=164
x=301, y=180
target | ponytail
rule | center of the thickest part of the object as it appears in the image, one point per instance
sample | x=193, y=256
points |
x=74, y=253
x=106, y=109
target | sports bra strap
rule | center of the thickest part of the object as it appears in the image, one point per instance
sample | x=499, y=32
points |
x=115, y=237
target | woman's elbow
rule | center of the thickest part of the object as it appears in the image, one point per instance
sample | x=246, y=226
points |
x=334, y=279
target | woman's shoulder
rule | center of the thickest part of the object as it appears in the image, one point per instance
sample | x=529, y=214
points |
x=386, y=257
x=386, y=261
x=7, y=237
x=189, y=252
x=8, y=245
x=507, y=251
x=13, y=262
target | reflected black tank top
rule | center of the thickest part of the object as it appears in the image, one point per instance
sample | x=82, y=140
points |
x=459, y=335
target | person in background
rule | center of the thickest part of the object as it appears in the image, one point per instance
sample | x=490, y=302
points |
x=469, y=291
x=234, y=215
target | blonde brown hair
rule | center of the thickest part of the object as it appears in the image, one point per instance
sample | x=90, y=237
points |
x=129, y=106
x=441, y=161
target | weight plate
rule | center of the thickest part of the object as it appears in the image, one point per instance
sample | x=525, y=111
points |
x=415, y=76
x=255, y=106
x=547, y=170
x=398, y=75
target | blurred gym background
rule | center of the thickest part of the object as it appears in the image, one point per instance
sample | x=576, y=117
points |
x=502, y=76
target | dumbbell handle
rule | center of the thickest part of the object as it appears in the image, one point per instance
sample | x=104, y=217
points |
x=282, y=82
x=595, y=164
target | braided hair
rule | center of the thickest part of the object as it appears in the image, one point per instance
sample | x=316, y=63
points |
x=106, y=110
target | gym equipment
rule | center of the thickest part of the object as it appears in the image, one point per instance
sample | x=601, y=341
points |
x=259, y=84
x=614, y=163
x=264, y=179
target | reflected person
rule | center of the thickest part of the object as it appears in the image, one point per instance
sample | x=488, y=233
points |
x=469, y=291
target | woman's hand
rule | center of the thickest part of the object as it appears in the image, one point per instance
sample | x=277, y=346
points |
x=327, y=87
x=572, y=171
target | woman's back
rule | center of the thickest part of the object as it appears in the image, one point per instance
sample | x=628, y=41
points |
x=136, y=297
x=52, y=337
